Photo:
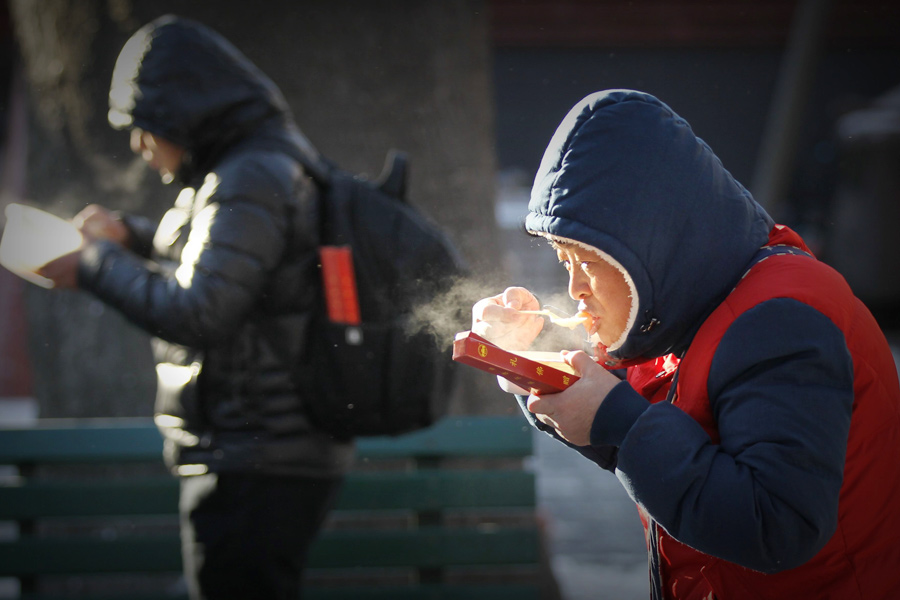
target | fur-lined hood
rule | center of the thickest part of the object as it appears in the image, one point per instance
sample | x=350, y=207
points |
x=626, y=176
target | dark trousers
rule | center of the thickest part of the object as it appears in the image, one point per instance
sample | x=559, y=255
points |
x=247, y=536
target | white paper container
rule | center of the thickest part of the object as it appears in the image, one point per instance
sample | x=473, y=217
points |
x=32, y=238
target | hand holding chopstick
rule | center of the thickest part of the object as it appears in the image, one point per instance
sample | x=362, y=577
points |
x=557, y=317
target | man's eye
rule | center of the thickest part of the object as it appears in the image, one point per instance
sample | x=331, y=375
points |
x=566, y=264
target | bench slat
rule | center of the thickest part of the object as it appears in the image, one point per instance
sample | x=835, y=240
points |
x=426, y=547
x=430, y=490
x=128, y=440
x=422, y=548
x=103, y=498
x=487, y=591
x=414, y=491
x=481, y=437
x=76, y=441
x=426, y=592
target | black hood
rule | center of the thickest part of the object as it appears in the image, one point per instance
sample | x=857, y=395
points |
x=180, y=80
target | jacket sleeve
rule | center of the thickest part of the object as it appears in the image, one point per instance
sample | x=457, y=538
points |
x=140, y=230
x=235, y=241
x=604, y=455
x=766, y=497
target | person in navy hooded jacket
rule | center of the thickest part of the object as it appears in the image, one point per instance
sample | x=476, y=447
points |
x=758, y=425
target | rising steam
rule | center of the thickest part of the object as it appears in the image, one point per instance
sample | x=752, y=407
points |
x=451, y=312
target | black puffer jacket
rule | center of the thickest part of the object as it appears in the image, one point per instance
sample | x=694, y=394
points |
x=229, y=282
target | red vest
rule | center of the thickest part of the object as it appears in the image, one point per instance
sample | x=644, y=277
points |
x=862, y=559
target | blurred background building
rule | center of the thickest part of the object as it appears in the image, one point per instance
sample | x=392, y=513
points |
x=765, y=83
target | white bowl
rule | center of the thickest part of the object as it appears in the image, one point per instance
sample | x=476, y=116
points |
x=32, y=238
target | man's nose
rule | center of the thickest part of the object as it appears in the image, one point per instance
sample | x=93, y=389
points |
x=579, y=286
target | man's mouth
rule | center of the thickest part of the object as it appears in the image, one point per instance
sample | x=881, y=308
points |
x=591, y=323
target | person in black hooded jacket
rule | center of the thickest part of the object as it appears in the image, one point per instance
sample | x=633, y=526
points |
x=225, y=284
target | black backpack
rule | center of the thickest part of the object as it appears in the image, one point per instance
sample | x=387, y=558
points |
x=389, y=373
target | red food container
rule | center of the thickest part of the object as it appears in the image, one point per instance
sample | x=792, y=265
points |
x=529, y=370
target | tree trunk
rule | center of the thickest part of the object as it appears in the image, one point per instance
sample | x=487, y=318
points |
x=361, y=77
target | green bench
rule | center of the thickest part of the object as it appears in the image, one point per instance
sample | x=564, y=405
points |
x=443, y=513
